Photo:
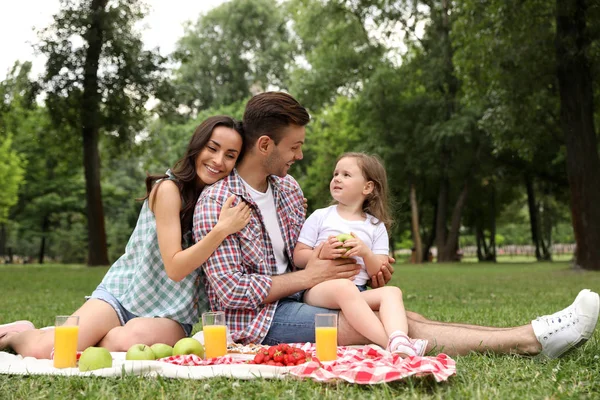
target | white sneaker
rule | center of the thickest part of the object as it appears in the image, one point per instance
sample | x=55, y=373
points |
x=562, y=331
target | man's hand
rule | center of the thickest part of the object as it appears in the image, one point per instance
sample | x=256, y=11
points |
x=384, y=275
x=321, y=270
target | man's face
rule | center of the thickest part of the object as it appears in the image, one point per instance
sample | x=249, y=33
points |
x=288, y=151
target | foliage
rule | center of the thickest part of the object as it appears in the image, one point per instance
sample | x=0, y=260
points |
x=234, y=50
x=11, y=176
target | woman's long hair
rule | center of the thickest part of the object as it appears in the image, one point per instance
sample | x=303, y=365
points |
x=189, y=184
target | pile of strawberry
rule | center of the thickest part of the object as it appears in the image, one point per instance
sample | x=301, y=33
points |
x=282, y=355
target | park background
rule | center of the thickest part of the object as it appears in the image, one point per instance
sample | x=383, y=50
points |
x=483, y=112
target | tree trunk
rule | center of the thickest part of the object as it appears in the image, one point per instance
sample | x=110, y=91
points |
x=492, y=250
x=577, y=122
x=2, y=240
x=447, y=252
x=45, y=225
x=440, y=223
x=415, y=225
x=533, y=215
x=90, y=121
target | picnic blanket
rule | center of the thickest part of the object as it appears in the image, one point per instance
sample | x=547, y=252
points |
x=363, y=365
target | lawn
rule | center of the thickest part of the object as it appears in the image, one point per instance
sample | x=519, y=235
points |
x=500, y=295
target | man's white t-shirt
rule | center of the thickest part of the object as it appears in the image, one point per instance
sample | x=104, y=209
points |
x=325, y=222
x=266, y=204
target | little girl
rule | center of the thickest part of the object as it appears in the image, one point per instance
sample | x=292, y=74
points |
x=359, y=191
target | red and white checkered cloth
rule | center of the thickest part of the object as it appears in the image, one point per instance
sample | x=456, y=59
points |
x=363, y=365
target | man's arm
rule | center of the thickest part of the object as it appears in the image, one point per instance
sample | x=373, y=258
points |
x=384, y=275
x=315, y=272
x=236, y=288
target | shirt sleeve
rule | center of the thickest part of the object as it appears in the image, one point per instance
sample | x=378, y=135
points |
x=234, y=286
x=381, y=241
x=309, y=234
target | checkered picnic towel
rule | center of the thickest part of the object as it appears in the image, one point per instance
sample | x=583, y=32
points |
x=364, y=365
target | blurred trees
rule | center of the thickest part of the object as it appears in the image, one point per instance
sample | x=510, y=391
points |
x=482, y=111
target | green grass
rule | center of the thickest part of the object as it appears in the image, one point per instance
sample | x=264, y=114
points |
x=500, y=295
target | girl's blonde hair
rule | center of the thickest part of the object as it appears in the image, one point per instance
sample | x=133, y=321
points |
x=377, y=202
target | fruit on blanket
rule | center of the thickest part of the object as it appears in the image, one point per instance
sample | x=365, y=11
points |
x=342, y=237
x=281, y=355
x=188, y=346
x=95, y=358
x=162, y=350
x=140, y=352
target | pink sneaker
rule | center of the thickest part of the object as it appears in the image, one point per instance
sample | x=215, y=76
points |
x=17, y=326
x=420, y=346
x=401, y=344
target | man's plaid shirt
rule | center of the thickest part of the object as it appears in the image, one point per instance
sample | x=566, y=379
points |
x=237, y=275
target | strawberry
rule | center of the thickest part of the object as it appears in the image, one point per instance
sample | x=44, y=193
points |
x=259, y=358
x=272, y=350
x=284, y=348
x=278, y=356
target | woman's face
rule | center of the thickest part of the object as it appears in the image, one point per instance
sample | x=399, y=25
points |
x=218, y=157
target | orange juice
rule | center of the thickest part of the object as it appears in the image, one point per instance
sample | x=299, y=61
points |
x=65, y=346
x=326, y=343
x=215, y=340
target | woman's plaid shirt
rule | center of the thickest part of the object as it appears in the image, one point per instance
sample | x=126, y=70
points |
x=238, y=274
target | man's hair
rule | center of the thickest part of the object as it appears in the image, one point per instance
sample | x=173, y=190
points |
x=268, y=114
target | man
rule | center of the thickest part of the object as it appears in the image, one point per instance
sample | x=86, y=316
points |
x=251, y=278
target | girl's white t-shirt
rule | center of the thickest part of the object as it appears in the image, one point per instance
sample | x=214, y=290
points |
x=325, y=222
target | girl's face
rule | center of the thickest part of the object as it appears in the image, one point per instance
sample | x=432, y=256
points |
x=348, y=184
x=218, y=157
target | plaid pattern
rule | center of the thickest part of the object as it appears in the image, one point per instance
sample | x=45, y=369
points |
x=139, y=281
x=363, y=365
x=237, y=276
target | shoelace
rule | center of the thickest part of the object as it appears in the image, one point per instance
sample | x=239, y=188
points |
x=559, y=323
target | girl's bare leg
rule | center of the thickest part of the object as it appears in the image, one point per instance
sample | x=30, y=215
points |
x=344, y=295
x=388, y=300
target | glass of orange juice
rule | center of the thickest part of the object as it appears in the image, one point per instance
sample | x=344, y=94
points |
x=66, y=331
x=215, y=334
x=326, y=336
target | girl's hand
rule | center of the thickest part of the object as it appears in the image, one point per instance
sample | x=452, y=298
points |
x=305, y=203
x=233, y=219
x=331, y=249
x=357, y=247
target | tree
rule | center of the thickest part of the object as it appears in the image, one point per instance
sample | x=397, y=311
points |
x=98, y=80
x=235, y=50
x=11, y=176
x=577, y=123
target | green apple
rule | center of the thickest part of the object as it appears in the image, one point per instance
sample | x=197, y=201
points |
x=95, y=358
x=140, y=352
x=342, y=237
x=162, y=350
x=188, y=346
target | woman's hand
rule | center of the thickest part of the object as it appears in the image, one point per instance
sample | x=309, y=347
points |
x=233, y=219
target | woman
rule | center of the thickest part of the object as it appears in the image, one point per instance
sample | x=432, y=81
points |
x=150, y=294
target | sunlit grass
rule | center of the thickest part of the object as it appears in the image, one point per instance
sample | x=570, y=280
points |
x=490, y=294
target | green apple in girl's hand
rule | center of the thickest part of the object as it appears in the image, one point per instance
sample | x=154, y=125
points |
x=342, y=237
